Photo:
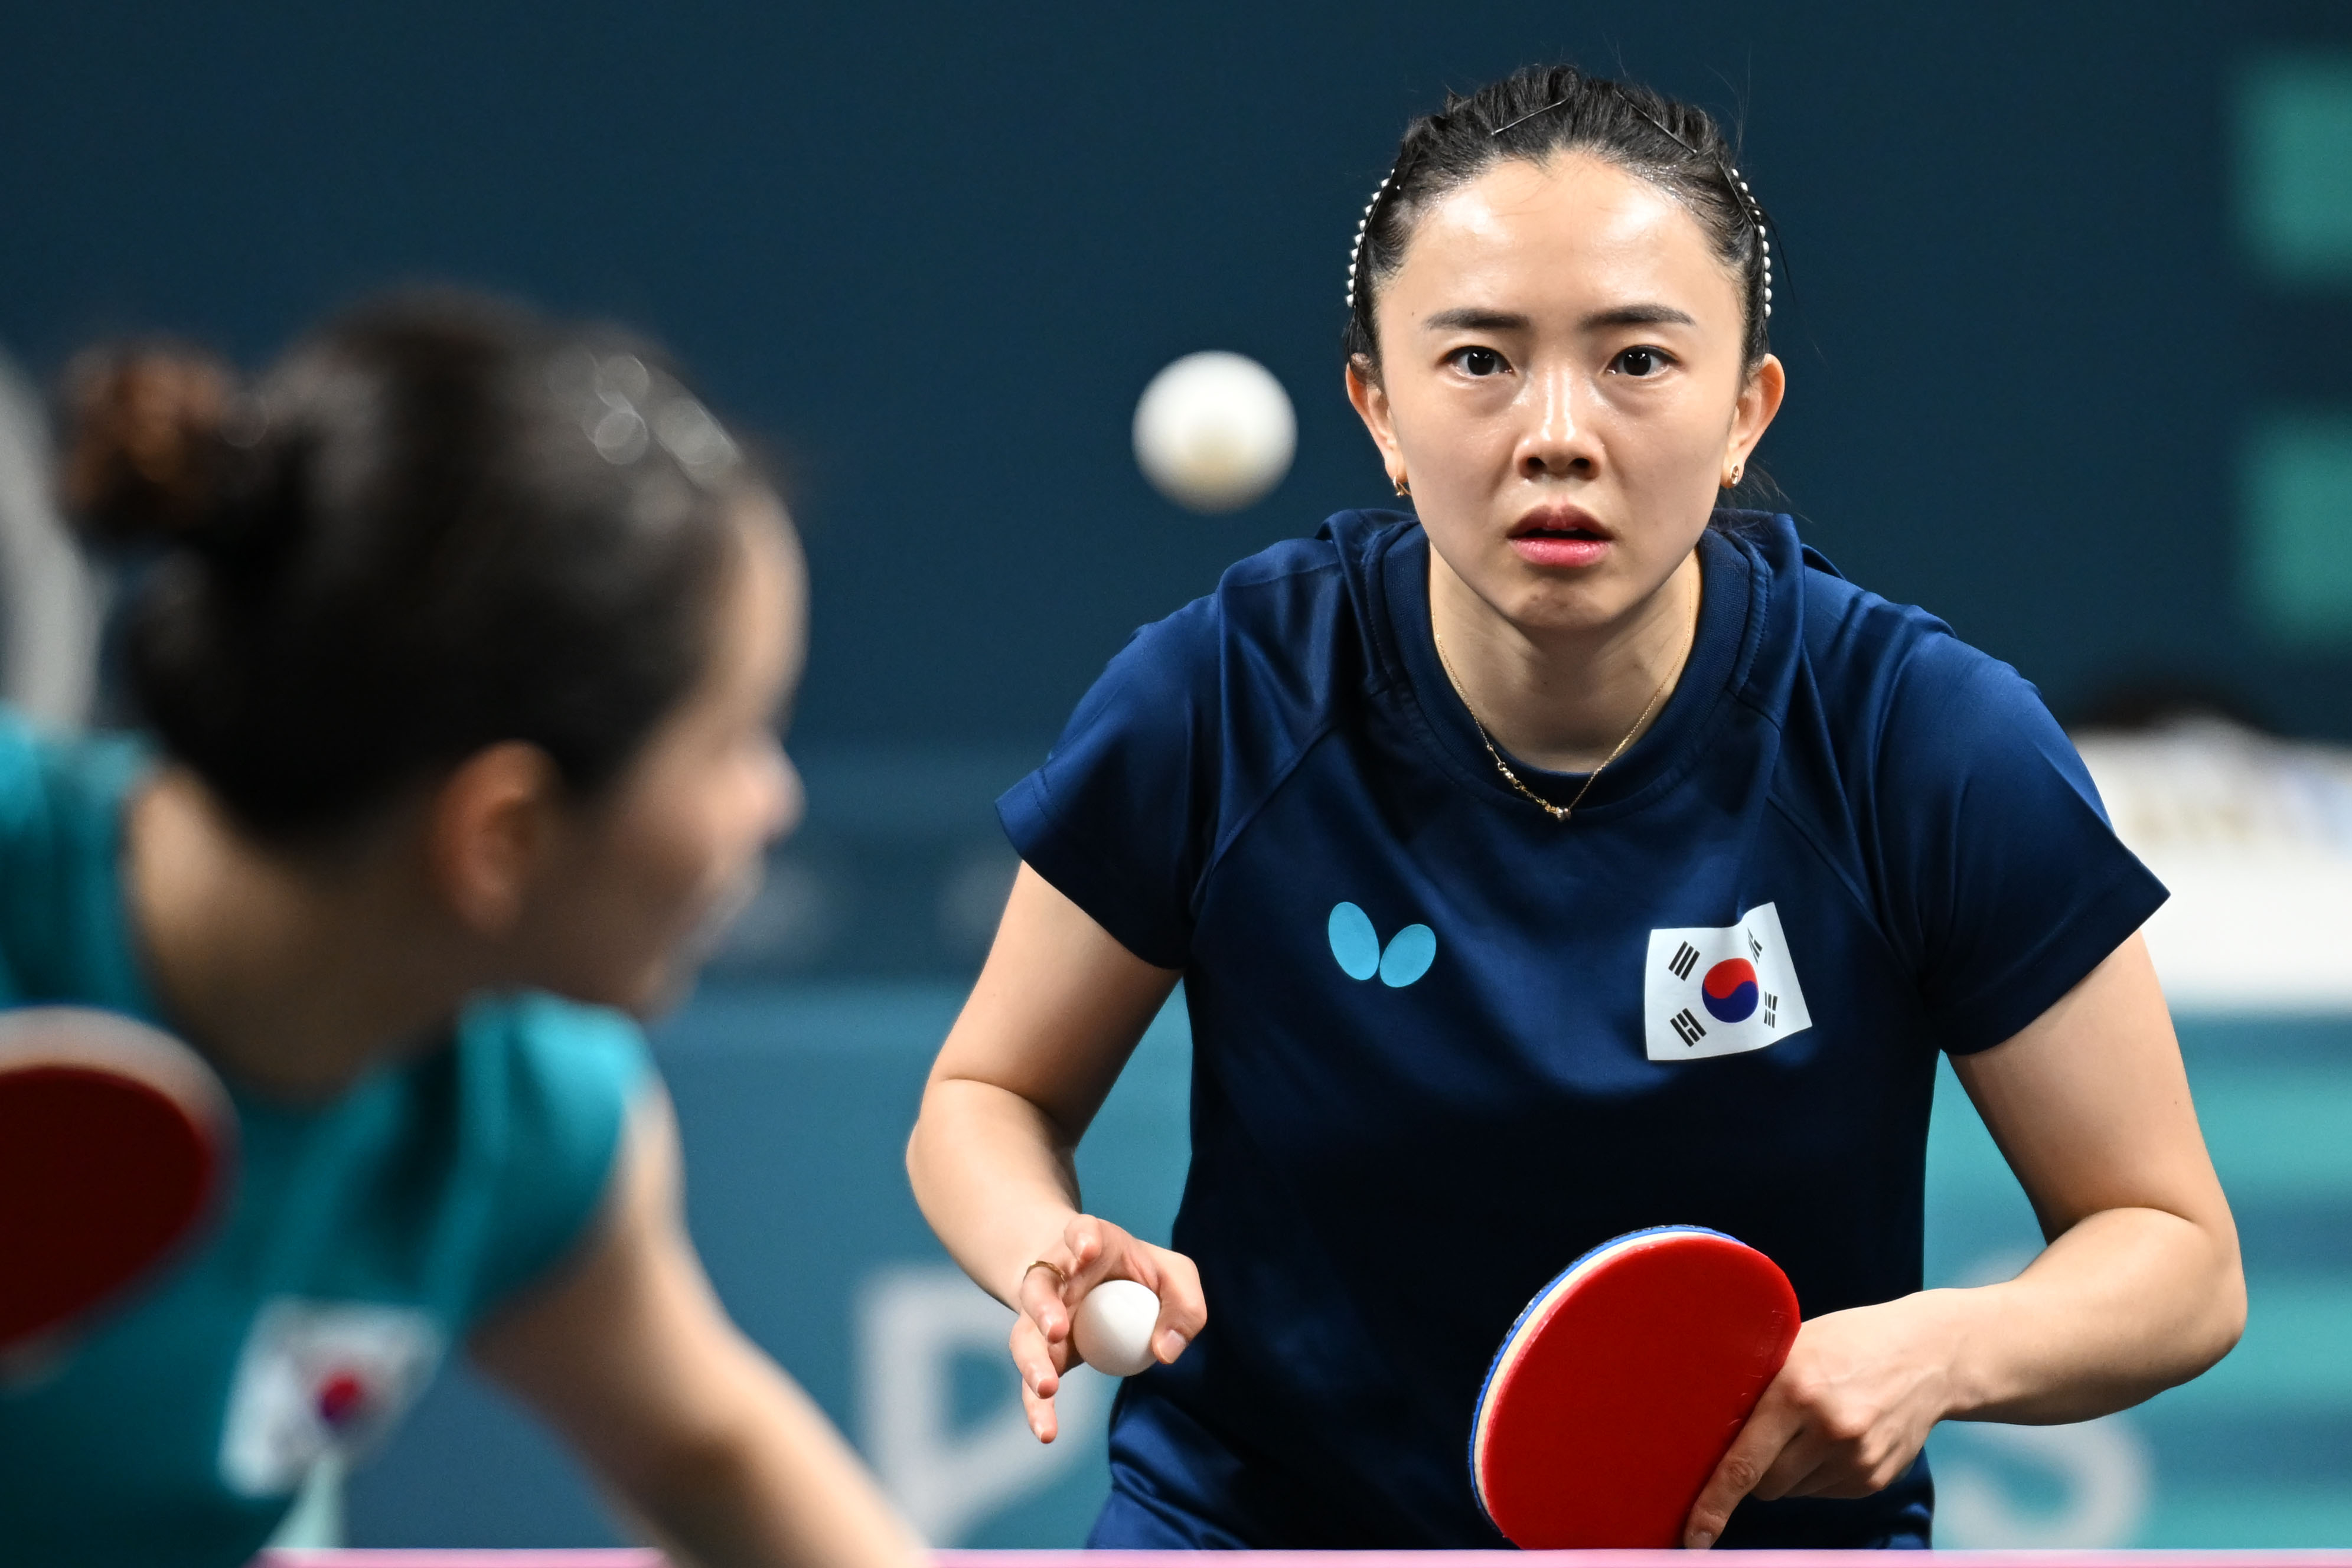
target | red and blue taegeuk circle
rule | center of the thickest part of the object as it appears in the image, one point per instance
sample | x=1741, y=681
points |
x=1729, y=989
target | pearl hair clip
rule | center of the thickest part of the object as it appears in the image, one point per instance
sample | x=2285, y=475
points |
x=627, y=406
x=1355, y=255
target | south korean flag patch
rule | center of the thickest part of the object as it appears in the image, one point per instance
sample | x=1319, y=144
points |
x=321, y=1379
x=1716, y=990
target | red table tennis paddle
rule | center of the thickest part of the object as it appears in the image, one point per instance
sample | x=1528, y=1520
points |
x=1621, y=1385
x=114, y=1139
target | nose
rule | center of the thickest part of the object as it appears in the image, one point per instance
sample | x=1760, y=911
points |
x=1557, y=441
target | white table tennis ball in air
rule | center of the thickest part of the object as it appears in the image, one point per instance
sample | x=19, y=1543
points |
x=1113, y=1329
x=1213, y=432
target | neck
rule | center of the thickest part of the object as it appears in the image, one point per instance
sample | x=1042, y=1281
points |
x=1565, y=700
x=292, y=977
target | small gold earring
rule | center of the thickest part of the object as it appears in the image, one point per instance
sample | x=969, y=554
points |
x=1401, y=488
x=1737, y=469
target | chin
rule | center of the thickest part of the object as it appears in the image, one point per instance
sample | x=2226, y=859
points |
x=643, y=991
x=662, y=989
x=1548, y=605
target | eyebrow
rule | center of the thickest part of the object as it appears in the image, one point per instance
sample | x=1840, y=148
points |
x=1475, y=319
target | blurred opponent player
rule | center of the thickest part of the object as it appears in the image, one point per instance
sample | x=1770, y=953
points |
x=1574, y=857
x=465, y=640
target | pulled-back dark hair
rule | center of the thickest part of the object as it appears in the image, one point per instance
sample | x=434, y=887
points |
x=439, y=523
x=1537, y=111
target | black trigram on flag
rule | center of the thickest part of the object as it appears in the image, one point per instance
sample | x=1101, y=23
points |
x=1754, y=948
x=1687, y=1025
x=1685, y=957
x=1771, y=1008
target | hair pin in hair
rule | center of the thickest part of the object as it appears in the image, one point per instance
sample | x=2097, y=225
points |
x=1747, y=198
x=1531, y=114
x=1664, y=129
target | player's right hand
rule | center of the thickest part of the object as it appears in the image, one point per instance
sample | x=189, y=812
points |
x=1089, y=1251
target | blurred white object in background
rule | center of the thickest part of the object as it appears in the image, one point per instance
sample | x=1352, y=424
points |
x=49, y=599
x=1214, y=432
x=2253, y=836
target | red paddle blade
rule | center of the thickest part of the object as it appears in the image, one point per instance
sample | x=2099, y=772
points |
x=113, y=1139
x=1618, y=1391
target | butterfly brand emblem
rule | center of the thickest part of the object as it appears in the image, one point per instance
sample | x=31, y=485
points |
x=1357, y=946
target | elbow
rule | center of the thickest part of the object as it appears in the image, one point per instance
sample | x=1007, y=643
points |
x=2228, y=1316
x=915, y=1168
x=919, y=1141
x=2219, y=1321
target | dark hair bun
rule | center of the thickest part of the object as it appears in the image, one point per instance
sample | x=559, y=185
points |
x=437, y=523
x=148, y=456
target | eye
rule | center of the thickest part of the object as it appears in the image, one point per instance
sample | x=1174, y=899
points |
x=1640, y=362
x=1478, y=362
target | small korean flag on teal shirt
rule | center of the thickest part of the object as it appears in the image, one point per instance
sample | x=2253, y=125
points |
x=1714, y=990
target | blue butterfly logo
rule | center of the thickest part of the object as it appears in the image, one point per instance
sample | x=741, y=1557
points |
x=1357, y=948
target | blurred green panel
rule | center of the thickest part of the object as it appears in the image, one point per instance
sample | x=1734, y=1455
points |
x=2294, y=121
x=2257, y=1452
x=2297, y=527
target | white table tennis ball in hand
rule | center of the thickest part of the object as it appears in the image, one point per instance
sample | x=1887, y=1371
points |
x=1113, y=1327
x=1213, y=432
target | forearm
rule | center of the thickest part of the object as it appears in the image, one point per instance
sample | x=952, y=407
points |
x=775, y=1485
x=2124, y=1304
x=994, y=1176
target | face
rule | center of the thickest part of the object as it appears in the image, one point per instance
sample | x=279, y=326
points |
x=646, y=878
x=1561, y=382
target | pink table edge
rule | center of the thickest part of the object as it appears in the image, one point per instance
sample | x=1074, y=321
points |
x=2289, y=1557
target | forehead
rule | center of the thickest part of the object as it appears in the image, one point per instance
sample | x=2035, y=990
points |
x=761, y=620
x=1572, y=216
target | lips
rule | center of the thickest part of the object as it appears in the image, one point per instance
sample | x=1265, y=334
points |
x=1561, y=537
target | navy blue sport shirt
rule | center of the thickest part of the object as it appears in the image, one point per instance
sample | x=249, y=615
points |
x=1444, y=1043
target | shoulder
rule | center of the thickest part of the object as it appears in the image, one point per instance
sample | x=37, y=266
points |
x=551, y=1035
x=1193, y=726
x=61, y=799
x=55, y=787
x=550, y=1085
x=1265, y=656
x=1291, y=607
x=1885, y=673
x=558, y=1068
x=1858, y=643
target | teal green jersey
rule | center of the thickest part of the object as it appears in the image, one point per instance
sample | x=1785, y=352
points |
x=359, y=1240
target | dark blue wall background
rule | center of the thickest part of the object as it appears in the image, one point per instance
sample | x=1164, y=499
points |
x=932, y=254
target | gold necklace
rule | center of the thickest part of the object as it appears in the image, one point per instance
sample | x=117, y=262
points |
x=1557, y=813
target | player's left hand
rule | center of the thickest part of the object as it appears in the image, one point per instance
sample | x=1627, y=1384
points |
x=1850, y=1410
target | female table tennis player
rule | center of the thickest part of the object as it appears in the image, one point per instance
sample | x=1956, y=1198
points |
x=1574, y=856
x=465, y=649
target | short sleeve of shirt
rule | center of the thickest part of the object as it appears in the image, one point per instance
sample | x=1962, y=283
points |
x=2009, y=884
x=562, y=1077
x=1118, y=817
x=60, y=823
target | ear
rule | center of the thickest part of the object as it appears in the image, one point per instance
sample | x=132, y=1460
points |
x=492, y=824
x=1760, y=400
x=1372, y=401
